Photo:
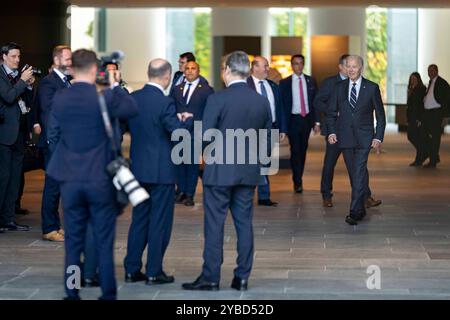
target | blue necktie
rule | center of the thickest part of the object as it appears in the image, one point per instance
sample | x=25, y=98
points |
x=353, y=96
x=263, y=89
x=186, y=94
x=67, y=83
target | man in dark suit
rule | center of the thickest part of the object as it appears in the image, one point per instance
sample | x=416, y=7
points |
x=350, y=124
x=190, y=96
x=81, y=150
x=48, y=86
x=332, y=151
x=267, y=88
x=298, y=92
x=153, y=167
x=437, y=107
x=231, y=185
x=15, y=104
x=178, y=77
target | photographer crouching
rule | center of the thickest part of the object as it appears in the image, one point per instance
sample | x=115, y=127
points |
x=81, y=151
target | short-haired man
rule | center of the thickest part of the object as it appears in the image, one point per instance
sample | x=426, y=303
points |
x=15, y=104
x=178, y=77
x=81, y=150
x=48, y=86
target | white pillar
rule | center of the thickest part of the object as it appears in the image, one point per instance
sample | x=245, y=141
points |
x=434, y=42
x=141, y=35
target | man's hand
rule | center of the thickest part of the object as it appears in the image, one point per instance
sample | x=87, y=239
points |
x=376, y=144
x=282, y=136
x=114, y=77
x=332, y=139
x=31, y=81
x=317, y=129
x=27, y=74
x=37, y=129
x=185, y=116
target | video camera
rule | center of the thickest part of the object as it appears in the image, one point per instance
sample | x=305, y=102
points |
x=102, y=73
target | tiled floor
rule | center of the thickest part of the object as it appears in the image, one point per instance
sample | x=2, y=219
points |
x=303, y=251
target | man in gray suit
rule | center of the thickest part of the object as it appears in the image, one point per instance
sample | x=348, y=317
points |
x=350, y=124
x=231, y=186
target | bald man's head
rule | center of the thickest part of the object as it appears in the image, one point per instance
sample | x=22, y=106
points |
x=159, y=71
x=260, y=67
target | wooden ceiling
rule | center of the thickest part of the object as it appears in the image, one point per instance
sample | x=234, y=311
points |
x=262, y=3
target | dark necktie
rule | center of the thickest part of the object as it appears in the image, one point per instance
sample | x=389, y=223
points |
x=263, y=89
x=13, y=78
x=186, y=94
x=353, y=96
x=67, y=82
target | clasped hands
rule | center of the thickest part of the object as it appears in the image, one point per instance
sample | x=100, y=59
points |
x=184, y=116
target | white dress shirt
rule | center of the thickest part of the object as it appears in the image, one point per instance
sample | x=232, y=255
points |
x=296, y=93
x=357, y=87
x=270, y=95
x=191, y=89
x=236, y=81
x=429, y=100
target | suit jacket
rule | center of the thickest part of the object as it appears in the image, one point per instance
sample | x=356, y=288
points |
x=198, y=99
x=442, y=95
x=415, y=109
x=323, y=98
x=354, y=128
x=280, y=122
x=9, y=107
x=286, y=95
x=236, y=107
x=151, y=144
x=80, y=147
x=47, y=89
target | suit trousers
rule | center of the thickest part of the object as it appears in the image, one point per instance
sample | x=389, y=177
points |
x=264, y=188
x=356, y=163
x=95, y=202
x=217, y=201
x=151, y=226
x=416, y=136
x=90, y=263
x=50, y=200
x=11, y=159
x=433, y=132
x=187, y=175
x=298, y=133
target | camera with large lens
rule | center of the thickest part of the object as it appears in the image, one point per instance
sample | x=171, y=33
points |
x=36, y=71
x=125, y=182
x=102, y=72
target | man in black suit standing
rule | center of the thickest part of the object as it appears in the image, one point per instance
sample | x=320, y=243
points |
x=332, y=151
x=15, y=104
x=437, y=107
x=350, y=124
x=269, y=89
x=190, y=96
x=298, y=92
x=178, y=77
x=231, y=185
x=48, y=86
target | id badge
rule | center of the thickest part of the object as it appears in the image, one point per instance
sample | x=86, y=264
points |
x=23, y=106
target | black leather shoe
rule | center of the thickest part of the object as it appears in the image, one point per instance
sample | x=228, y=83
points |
x=239, y=284
x=135, y=277
x=12, y=226
x=189, y=201
x=430, y=165
x=415, y=164
x=201, y=284
x=22, y=212
x=160, y=279
x=351, y=221
x=267, y=203
x=298, y=188
x=90, y=283
x=180, y=198
x=71, y=298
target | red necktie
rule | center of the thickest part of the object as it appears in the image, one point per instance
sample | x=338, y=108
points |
x=302, y=99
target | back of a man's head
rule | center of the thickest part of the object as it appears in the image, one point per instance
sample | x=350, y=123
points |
x=238, y=63
x=83, y=60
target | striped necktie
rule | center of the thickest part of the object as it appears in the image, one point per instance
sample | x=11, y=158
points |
x=353, y=96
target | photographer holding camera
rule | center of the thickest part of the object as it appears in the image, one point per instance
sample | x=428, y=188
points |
x=81, y=151
x=15, y=103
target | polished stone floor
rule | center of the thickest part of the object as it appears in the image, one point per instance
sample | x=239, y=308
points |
x=302, y=250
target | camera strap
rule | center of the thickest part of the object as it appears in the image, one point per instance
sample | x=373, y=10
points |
x=107, y=123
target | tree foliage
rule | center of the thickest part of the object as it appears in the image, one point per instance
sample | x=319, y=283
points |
x=202, y=41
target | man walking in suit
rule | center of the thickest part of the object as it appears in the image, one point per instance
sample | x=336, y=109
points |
x=190, y=96
x=298, y=92
x=81, y=150
x=437, y=107
x=231, y=186
x=153, y=167
x=267, y=88
x=332, y=151
x=48, y=86
x=350, y=124
x=15, y=103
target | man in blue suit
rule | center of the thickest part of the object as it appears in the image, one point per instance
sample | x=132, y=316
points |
x=332, y=151
x=231, y=186
x=15, y=104
x=269, y=89
x=152, y=165
x=350, y=124
x=48, y=86
x=190, y=96
x=81, y=150
x=298, y=92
